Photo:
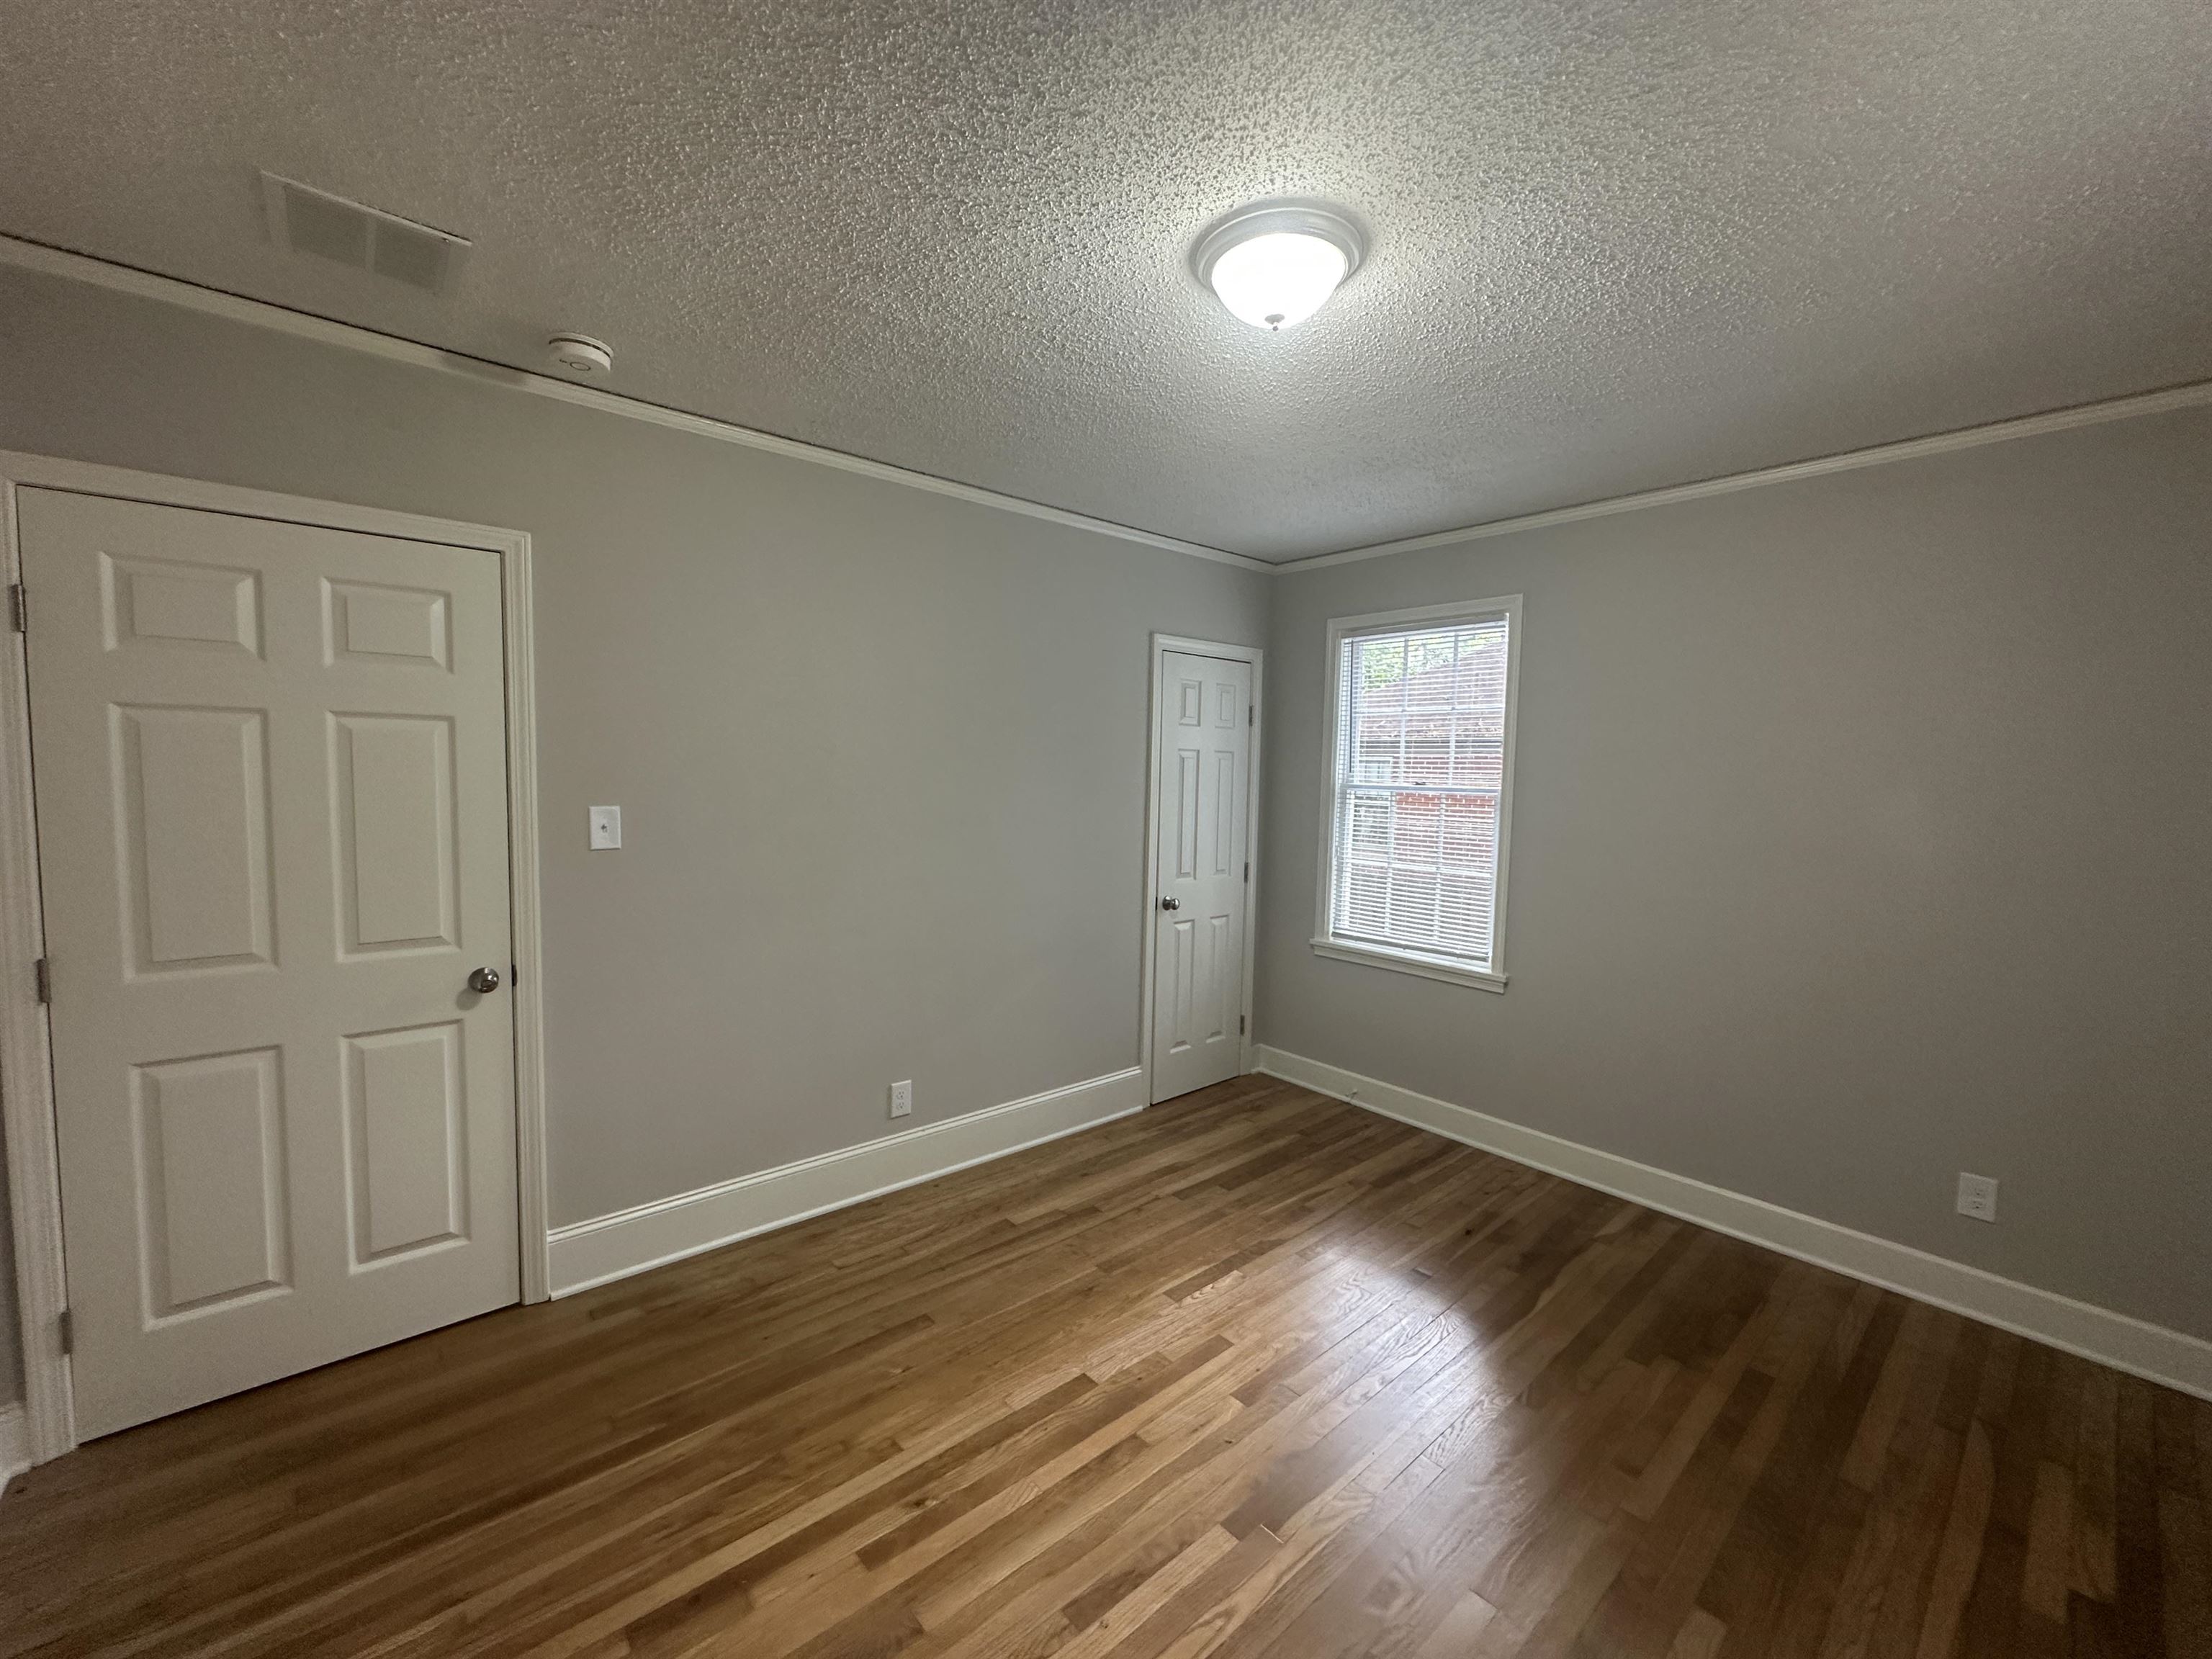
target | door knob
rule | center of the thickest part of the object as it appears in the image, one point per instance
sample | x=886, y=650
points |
x=485, y=980
x=1170, y=904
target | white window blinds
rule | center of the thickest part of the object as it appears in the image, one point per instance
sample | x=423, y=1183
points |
x=1422, y=718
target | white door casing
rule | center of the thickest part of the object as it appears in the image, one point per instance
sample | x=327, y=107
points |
x=272, y=802
x=1202, y=750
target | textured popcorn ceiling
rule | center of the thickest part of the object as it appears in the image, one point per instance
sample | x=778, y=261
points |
x=1616, y=244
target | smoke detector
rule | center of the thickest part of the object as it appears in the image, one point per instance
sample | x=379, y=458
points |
x=313, y=222
x=580, y=353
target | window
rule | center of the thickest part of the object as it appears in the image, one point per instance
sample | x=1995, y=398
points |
x=1420, y=785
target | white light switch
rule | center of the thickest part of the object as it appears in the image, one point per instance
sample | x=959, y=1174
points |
x=607, y=828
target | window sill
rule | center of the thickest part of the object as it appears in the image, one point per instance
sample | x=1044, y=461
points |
x=1403, y=961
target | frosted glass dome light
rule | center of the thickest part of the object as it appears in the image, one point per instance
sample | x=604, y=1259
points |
x=1274, y=267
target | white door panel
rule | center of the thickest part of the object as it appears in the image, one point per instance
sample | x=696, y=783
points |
x=392, y=822
x=271, y=769
x=407, y=1124
x=197, y=884
x=214, y=1225
x=1205, y=746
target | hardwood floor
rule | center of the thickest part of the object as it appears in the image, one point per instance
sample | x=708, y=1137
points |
x=1254, y=1373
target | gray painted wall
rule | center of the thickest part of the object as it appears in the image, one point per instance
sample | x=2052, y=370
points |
x=1861, y=837
x=880, y=753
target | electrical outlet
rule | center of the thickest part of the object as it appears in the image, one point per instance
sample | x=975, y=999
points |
x=902, y=1098
x=606, y=829
x=1978, y=1196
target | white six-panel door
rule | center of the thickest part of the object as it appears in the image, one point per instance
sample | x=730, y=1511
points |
x=1204, y=747
x=270, y=762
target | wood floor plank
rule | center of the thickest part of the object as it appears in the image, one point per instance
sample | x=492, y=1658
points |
x=1252, y=1376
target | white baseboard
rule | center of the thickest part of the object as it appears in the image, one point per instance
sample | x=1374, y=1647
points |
x=2127, y=1344
x=609, y=1247
x=14, y=1443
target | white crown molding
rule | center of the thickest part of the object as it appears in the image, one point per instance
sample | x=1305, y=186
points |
x=146, y=284
x=2135, y=1345
x=2193, y=395
x=611, y=1247
x=261, y=314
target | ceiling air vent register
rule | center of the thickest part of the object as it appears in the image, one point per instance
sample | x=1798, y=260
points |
x=310, y=221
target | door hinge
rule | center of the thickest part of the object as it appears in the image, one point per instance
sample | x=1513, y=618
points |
x=1247, y=869
x=1251, y=714
x=68, y=1331
x=45, y=975
x=1240, y=1025
x=18, y=610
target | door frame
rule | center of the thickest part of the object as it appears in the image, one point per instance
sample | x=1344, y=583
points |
x=27, y=1084
x=1162, y=644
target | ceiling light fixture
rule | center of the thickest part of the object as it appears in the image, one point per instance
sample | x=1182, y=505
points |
x=1273, y=267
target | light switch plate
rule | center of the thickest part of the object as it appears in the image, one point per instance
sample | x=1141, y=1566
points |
x=607, y=828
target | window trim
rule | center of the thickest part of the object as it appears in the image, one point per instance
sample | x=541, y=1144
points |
x=1325, y=944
